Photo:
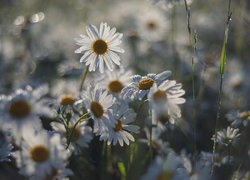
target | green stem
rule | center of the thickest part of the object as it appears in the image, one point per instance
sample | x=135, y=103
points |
x=83, y=117
x=83, y=77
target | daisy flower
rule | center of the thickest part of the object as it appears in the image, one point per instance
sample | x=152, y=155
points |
x=115, y=81
x=59, y=172
x=81, y=135
x=5, y=150
x=141, y=85
x=154, y=140
x=152, y=25
x=100, y=47
x=237, y=118
x=99, y=104
x=165, y=98
x=195, y=170
x=22, y=108
x=170, y=167
x=121, y=131
x=66, y=92
x=41, y=153
x=227, y=136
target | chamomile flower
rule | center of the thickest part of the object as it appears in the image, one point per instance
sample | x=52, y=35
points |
x=40, y=153
x=81, y=134
x=195, y=170
x=141, y=85
x=60, y=172
x=170, y=167
x=66, y=92
x=227, y=136
x=115, y=81
x=152, y=25
x=120, y=133
x=99, y=104
x=154, y=141
x=21, y=109
x=100, y=47
x=237, y=118
x=5, y=150
x=165, y=99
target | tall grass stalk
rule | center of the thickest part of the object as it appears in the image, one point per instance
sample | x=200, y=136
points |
x=192, y=43
x=222, y=69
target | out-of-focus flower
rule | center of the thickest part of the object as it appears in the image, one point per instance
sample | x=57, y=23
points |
x=141, y=85
x=154, y=141
x=41, y=153
x=152, y=25
x=5, y=150
x=100, y=105
x=170, y=167
x=165, y=99
x=115, y=81
x=120, y=133
x=21, y=109
x=197, y=171
x=227, y=136
x=66, y=91
x=237, y=118
x=100, y=47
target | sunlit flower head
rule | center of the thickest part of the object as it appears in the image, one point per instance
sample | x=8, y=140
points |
x=81, y=134
x=141, y=85
x=115, y=81
x=99, y=104
x=100, y=47
x=121, y=132
x=5, y=150
x=22, y=108
x=238, y=117
x=165, y=98
x=41, y=153
x=227, y=136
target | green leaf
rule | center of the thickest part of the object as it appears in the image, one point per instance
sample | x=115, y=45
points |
x=223, y=52
x=122, y=169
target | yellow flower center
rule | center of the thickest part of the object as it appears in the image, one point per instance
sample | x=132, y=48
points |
x=100, y=47
x=159, y=95
x=165, y=175
x=118, y=126
x=39, y=153
x=19, y=109
x=75, y=134
x=115, y=86
x=244, y=115
x=146, y=83
x=67, y=100
x=97, y=109
x=151, y=25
